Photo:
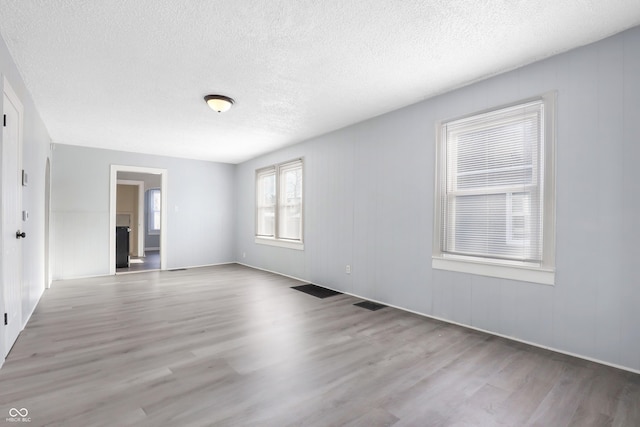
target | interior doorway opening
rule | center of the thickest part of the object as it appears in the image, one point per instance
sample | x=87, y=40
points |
x=137, y=219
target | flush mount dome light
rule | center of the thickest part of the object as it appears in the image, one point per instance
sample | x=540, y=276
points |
x=219, y=103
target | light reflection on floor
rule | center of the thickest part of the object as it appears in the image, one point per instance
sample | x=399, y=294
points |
x=151, y=261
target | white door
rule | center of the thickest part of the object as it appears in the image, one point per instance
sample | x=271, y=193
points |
x=11, y=217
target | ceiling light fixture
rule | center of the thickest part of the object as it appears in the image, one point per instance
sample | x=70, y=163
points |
x=219, y=103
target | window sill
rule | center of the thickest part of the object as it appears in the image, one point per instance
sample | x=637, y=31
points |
x=289, y=244
x=512, y=272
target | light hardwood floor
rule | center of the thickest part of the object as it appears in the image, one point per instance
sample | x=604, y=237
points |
x=230, y=345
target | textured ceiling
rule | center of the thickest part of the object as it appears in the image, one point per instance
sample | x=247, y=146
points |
x=131, y=74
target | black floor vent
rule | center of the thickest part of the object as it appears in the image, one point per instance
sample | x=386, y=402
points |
x=316, y=291
x=177, y=269
x=370, y=305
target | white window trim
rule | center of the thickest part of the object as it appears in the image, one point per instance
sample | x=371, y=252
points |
x=282, y=243
x=273, y=240
x=513, y=270
x=487, y=268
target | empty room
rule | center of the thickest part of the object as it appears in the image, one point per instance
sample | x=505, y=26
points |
x=338, y=213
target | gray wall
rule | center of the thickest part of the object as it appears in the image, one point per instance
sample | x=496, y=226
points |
x=200, y=203
x=369, y=203
x=36, y=149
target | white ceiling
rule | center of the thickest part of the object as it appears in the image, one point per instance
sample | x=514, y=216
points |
x=131, y=74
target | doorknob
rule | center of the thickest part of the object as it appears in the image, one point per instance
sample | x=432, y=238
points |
x=20, y=235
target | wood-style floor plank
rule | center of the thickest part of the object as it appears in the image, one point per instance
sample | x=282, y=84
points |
x=230, y=345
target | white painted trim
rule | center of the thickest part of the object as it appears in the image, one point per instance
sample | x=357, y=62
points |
x=140, y=225
x=24, y=324
x=112, y=211
x=147, y=271
x=289, y=244
x=163, y=220
x=202, y=266
x=512, y=272
x=533, y=344
x=284, y=275
x=47, y=230
x=60, y=279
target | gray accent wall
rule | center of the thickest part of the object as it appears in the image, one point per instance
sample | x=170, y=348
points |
x=36, y=148
x=369, y=203
x=200, y=209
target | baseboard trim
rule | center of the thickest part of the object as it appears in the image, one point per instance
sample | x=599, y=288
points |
x=533, y=344
x=141, y=271
x=201, y=266
x=79, y=277
x=24, y=324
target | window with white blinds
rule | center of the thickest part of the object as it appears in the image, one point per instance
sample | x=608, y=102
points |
x=154, y=209
x=290, y=201
x=279, y=202
x=492, y=201
x=266, y=202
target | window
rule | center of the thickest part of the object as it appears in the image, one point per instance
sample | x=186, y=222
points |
x=279, y=205
x=495, y=196
x=153, y=210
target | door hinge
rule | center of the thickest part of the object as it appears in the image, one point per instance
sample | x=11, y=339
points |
x=4, y=121
x=6, y=319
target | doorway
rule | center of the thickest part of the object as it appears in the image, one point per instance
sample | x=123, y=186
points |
x=130, y=208
x=130, y=214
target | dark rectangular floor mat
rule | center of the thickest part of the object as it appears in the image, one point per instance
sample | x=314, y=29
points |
x=316, y=291
x=370, y=305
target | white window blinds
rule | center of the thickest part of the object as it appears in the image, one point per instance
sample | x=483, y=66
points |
x=154, y=209
x=492, y=195
x=290, y=201
x=266, y=202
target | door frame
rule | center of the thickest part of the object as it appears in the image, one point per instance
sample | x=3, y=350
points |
x=47, y=224
x=112, y=211
x=140, y=224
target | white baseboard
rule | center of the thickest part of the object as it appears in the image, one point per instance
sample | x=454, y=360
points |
x=533, y=344
x=24, y=324
x=142, y=271
x=79, y=277
x=201, y=266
